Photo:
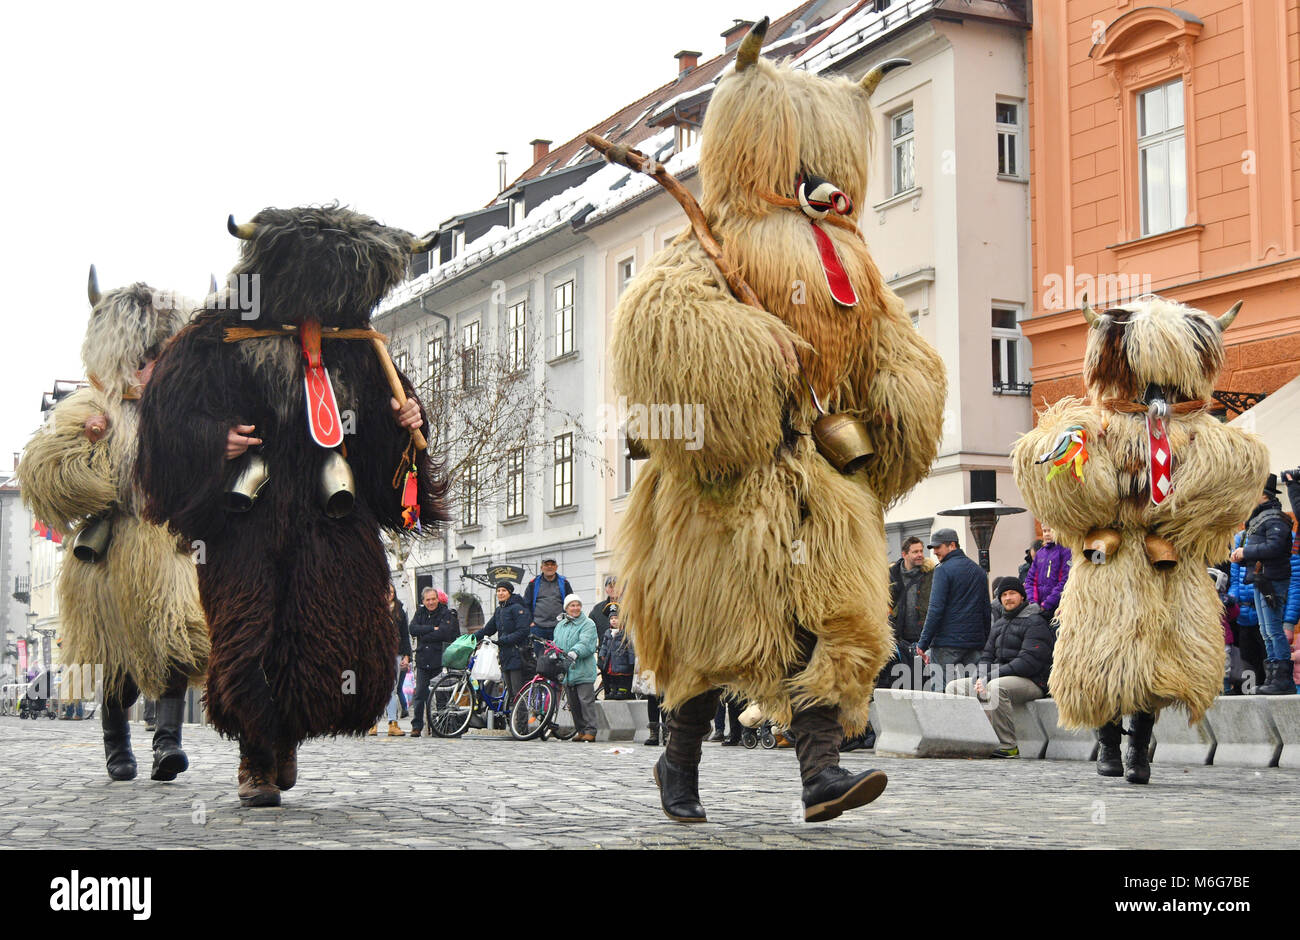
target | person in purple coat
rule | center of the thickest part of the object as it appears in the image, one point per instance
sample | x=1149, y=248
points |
x=1046, y=577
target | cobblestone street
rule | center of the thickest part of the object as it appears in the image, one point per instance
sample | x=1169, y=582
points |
x=490, y=792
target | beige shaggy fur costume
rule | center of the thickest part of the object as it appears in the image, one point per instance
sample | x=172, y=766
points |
x=728, y=548
x=137, y=611
x=1133, y=638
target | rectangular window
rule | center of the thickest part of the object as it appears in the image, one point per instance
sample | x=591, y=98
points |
x=564, y=318
x=469, y=357
x=515, y=484
x=399, y=360
x=470, y=495
x=1162, y=158
x=563, y=471
x=629, y=465
x=435, y=354
x=904, y=149
x=516, y=317
x=685, y=135
x=1007, y=115
x=626, y=270
x=1007, y=374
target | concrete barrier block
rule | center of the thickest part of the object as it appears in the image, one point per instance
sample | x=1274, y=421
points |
x=1285, y=712
x=931, y=724
x=1030, y=736
x=1244, y=731
x=1063, y=744
x=621, y=720
x=1181, y=743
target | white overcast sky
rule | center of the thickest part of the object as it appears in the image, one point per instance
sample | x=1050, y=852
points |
x=131, y=130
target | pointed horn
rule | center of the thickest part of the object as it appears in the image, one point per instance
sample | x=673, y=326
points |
x=872, y=78
x=424, y=244
x=244, y=230
x=1088, y=313
x=1225, y=321
x=92, y=287
x=751, y=45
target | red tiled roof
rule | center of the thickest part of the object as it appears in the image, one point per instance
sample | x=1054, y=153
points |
x=630, y=123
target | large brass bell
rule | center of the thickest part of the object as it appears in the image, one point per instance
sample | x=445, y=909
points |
x=337, y=490
x=243, y=489
x=841, y=438
x=1100, y=545
x=1161, y=552
x=91, y=543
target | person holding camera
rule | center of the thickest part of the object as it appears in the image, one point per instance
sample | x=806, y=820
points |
x=1266, y=551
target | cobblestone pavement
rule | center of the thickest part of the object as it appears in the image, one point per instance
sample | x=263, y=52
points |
x=496, y=793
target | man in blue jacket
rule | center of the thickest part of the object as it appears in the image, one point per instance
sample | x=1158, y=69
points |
x=958, y=620
x=1266, y=551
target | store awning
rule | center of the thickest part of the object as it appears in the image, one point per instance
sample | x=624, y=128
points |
x=1277, y=420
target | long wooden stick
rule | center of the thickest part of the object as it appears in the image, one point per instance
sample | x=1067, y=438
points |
x=381, y=348
x=640, y=163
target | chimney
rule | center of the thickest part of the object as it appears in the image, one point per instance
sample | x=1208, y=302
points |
x=686, y=60
x=501, y=171
x=732, y=36
x=540, y=149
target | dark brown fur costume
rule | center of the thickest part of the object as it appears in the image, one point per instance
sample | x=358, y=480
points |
x=302, y=639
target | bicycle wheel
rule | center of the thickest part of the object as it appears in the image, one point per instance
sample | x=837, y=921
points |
x=450, y=705
x=532, y=710
x=562, y=724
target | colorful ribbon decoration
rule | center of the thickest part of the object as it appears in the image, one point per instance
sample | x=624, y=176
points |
x=1070, y=450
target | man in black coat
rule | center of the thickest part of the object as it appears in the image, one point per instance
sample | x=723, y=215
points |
x=1266, y=553
x=1015, y=664
x=509, y=624
x=910, y=580
x=957, y=620
x=433, y=627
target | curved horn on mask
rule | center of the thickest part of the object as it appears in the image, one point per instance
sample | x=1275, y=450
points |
x=244, y=230
x=1225, y=321
x=92, y=287
x=1089, y=314
x=872, y=78
x=426, y=243
x=751, y=45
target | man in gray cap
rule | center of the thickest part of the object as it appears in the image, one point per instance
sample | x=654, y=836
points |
x=958, y=620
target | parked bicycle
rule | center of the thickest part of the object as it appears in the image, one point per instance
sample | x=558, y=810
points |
x=455, y=699
x=541, y=708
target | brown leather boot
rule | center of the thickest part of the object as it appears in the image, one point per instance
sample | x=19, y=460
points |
x=395, y=730
x=286, y=766
x=255, y=785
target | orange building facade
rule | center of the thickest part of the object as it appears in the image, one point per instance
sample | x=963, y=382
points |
x=1165, y=158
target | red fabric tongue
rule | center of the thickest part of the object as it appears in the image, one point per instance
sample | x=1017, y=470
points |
x=1161, y=460
x=323, y=419
x=836, y=277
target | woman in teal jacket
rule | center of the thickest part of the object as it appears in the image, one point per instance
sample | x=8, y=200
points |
x=576, y=635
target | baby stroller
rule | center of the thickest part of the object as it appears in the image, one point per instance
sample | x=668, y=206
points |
x=36, y=700
x=758, y=730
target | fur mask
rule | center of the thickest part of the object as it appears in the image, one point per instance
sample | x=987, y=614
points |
x=325, y=262
x=1153, y=341
x=128, y=327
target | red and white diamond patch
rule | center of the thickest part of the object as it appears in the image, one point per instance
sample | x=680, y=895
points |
x=1161, y=460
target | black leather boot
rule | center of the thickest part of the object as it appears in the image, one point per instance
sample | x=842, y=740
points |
x=835, y=790
x=1109, y=763
x=679, y=791
x=1136, y=763
x=168, y=758
x=117, y=742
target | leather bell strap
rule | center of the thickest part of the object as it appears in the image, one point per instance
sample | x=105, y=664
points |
x=837, y=279
x=1160, y=452
x=323, y=420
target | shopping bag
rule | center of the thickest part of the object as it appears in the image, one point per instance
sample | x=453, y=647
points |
x=487, y=663
x=458, y=652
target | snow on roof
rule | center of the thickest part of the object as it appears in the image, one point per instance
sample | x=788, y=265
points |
x=604, y=190
x=857, y=26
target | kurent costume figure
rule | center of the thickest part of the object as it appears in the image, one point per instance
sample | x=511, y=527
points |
x=1145, y=488
x=736, y=554
x=128, y=595
x=270, y=435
